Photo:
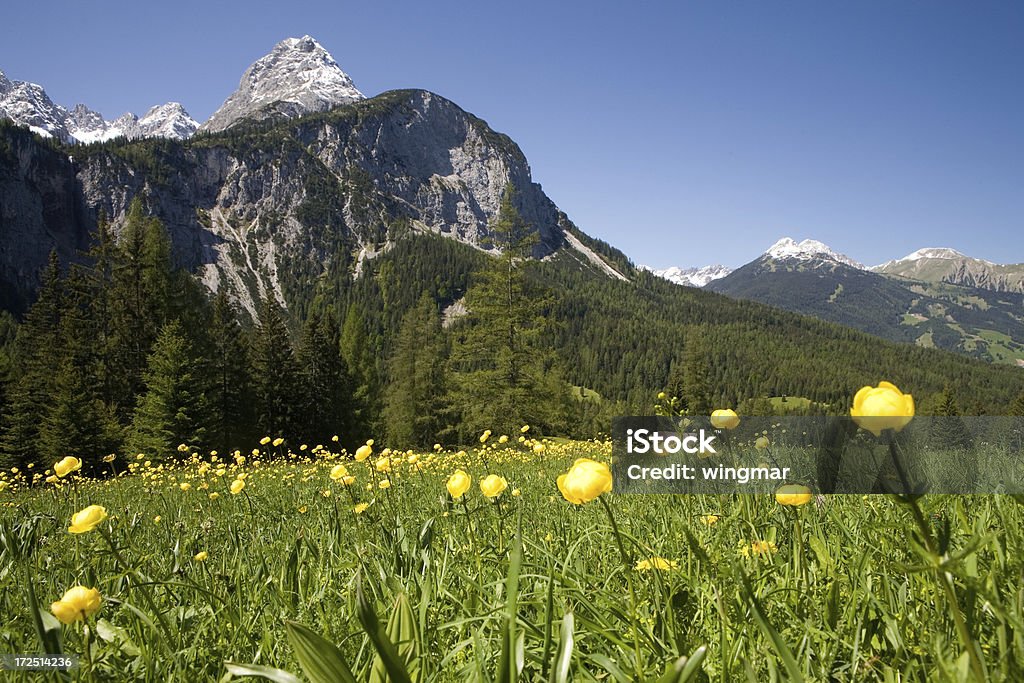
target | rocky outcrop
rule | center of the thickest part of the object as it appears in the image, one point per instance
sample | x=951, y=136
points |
x=275, y=208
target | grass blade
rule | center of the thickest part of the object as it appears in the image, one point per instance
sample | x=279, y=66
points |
x=785, y=654
x=267, y=672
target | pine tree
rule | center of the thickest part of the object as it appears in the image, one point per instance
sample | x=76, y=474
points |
x=37, y=357
x=502, y=375
x=326, y=382
x=416, y=402
x=362, y=368
x=173, y=408
x=276, y=378
x=227, y=371
x=946, y=428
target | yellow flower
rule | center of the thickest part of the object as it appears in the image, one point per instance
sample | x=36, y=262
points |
x=586, y=480
x=882, y=407
x=458, y=484
x=184, y=486
x=156, y=520
x=109, y=458
x=339, y=472
x=66, y=466
x=78, y=603
x=758, y=548
x=709, y=520
x=659, y=563
x=761, y=443
x=201, y=556
x=524, y=428
x=539, y=448
x=278, y=441
x=214, y=496
x=492, y=485
x=385, y=483
x=516, y=493
x=486, y=435
x=236, y=486
x=87, y=519
x=302, y=509
x=725, y=419
x=383, y=464
x=360, y=508
x=334, y=438
x=363, y=452
x=793, y=494
x=503, y=438
x=264, y=441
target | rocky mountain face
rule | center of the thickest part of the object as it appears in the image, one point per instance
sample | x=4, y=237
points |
x=808, y=277
x=28, y=104
x=298, y=77
x=278, y=208
x=935, y=265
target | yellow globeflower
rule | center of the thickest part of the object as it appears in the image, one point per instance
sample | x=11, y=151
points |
x=385, y=483
x=109, y=458
x=87, y=519
x=201, y=556
x=725, y=419
x=761, y=443
x=882, y=407
x=363, y=452
x=492, y=485
x=524, y=428
x=360, y=508
x=516, y=493
x=348, y=480
x=793, y=494
x=78, y=603
x=236, y=486
x=586, y=480
x=339, y=472
x=66, y=466
x=486, y=435
x=458, y=484
x=659, y=563
x=184, y=486
x=539, y=448
x=214, y=496
x=383, y=464
x=709, y=520
x=278, y=441
x=264, y=441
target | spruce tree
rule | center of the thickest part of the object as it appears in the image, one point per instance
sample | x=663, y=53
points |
x=502, y=375
x=276, y=381
x=37, y=360
x=415, y=403
x=227, y=372
x=1017, y=407
x=173, y=408
x=362, y=368
x=326, y=395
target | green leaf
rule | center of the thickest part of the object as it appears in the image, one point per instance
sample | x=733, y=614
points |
x=563, y=656
x=393, y=664
x=684, y=668
x=268, y=672
x=319, y=658
x=47, y=625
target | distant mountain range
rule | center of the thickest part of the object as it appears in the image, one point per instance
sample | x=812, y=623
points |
x=932, y=297
x=297, y=77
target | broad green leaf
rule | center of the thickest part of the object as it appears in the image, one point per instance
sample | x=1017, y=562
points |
x=319, y=658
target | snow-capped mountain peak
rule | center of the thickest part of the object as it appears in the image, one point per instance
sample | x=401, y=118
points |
x=29, y=105
x=806, y=250
x=297, y=77
x=691, y=277
x=928, y=253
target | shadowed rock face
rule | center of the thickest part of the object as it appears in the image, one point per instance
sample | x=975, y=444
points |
x=274, y=206
x=298, y=77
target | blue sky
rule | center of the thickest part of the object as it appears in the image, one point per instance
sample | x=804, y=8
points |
x=683, y=133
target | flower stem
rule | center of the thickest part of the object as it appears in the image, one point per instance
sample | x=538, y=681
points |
x=627, y=562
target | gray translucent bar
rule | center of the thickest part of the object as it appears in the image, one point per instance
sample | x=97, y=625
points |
x=958, y=455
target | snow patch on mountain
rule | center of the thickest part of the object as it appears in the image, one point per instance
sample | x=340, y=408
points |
x=29, y=105
x=808, y=250
x=944, y=253
x=691, y=277
x=297, y=77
